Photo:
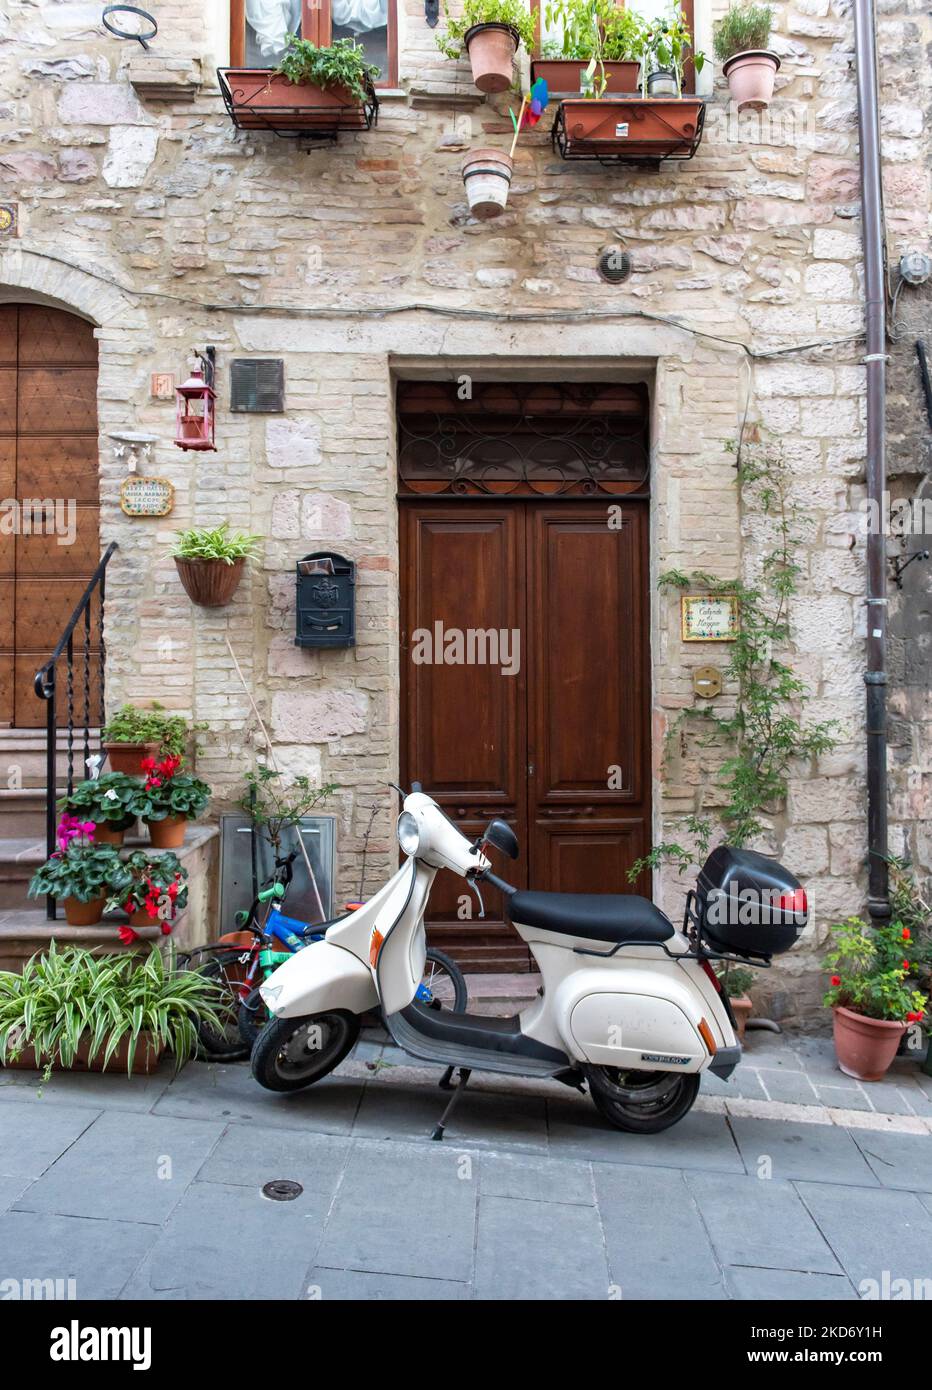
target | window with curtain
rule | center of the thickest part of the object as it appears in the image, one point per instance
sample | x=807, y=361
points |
x=259, y=29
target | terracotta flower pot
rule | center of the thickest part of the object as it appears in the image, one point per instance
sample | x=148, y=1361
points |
x=145, y=1060
x=127, y=757
x=141, y=918
x=750, y=78
x=210, y=583
x=865, y=1047
x=106, y=833
x=741, y=1008
x=167, y=833
x=78, y=914
x=487, y=177
x=564, y=76
x=491, y=49
x=631, y=127
x=263, y=100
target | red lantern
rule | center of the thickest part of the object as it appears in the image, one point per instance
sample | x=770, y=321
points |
x=194, y=413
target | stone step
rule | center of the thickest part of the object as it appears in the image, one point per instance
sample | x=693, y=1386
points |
x=22, y=812
x=501, y=995
x=23, y=754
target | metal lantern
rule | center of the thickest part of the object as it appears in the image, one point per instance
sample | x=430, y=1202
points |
x=195, y=410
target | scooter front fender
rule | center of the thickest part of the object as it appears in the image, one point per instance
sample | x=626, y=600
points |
x=320, y=978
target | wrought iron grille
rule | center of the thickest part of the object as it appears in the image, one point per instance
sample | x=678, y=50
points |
x=522, y=439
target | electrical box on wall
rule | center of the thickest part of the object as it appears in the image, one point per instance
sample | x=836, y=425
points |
x=325, y=607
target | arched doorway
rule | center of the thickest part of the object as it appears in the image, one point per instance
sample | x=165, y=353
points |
x=49, y=497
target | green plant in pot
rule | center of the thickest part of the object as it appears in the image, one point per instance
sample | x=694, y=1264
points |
x=668, y=45
x=167, y=800
x=490, y=32
x=134, y=733
x=740, y=39
x=210, y=562
x=736, y=980
x=155, y=892
x=107, y=802
x=871, y=995
x=72, y=1008
x=80, y=874
x=341, y=64
x=598, y=52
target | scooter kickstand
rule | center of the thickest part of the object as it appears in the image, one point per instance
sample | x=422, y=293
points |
x=465, y=1074
x=446, y=1081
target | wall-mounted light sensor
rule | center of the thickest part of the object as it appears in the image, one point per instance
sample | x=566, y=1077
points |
x=614, y=265
x=915, y=267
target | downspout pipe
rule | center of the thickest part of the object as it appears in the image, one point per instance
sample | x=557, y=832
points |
x=875, y=360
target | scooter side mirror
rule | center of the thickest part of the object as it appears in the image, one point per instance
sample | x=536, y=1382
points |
x=501, y=835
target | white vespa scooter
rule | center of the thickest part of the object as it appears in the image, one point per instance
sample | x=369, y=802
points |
x=628, y=1004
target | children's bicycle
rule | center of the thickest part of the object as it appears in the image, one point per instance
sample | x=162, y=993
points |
x=241, y=966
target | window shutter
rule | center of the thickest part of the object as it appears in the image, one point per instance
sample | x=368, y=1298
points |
x=257, y=385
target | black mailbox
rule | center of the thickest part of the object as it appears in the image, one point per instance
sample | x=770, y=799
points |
x=326, y=602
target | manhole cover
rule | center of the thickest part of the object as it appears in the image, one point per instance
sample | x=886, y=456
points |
x=282, y=1190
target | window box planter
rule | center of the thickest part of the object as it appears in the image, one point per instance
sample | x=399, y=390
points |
x=261, y=99
x=638, y=130
x=564, y=76
x=145, y=1060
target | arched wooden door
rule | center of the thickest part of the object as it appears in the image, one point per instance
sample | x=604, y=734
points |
x=49, y=498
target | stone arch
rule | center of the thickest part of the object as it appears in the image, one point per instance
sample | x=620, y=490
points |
x=32, y=276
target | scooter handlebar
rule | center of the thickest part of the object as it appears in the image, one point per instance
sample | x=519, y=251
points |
x=495, y=882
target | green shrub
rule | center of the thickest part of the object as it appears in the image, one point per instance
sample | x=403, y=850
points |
x=743, y=28
x=342, y=64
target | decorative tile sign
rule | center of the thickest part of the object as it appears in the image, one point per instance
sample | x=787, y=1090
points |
x=163, y=386
x=141, y=496
x=709, y=617
x=9, y=219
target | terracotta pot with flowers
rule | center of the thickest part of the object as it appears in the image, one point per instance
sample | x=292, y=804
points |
x=155, y=892
x=167, y=800
x=872, y=998
x=80, y=873
x=134, y=733
x=107, y=803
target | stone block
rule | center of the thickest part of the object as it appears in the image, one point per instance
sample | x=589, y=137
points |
x=319, y=716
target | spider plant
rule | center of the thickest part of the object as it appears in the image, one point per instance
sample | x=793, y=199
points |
x=70, y=995
x=219, y=543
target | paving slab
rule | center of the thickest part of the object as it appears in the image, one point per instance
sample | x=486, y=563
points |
x=657, y=1244
x=228, y=1092
x=245, y=1157
x=792, y=1087
x=231, y=1243
x=539, y=1250
x=536, y=1179
x=822, y=1153
x=700, y=1140
x=843, y=1097
x=363, y=1287
x=760, y=1222
x=786, y=1284
x=10, y=1189
x=873, y=1230
x=411, y=1112
x=903, y=1161
x=33, y=1137
x=100, y=1256
x=404, y=1209
x=125, y=1167
x=110, y=1090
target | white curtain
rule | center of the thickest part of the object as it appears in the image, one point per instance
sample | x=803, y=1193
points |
x=360, y=15
x=270, y=21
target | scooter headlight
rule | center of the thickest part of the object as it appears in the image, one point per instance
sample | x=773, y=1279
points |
x=409, y=833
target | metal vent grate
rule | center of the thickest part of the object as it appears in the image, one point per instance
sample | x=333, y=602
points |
x=257, y=385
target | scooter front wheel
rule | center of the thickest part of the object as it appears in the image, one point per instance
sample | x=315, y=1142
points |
x=291, y=1053
x=642, y=1102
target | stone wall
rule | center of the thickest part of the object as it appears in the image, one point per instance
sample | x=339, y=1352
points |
x=143, y=209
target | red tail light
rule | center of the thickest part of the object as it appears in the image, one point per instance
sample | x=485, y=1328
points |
x=795, y=902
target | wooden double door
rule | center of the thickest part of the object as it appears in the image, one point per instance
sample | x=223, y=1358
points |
x=49, y=525
x=554, y=735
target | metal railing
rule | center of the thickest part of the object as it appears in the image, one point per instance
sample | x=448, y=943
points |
x=82, y=699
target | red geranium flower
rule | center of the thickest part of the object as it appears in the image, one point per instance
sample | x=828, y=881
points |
x=835, y=980
x=148, y=764
x=127, y=935
x=906, y=933
x=906, y=965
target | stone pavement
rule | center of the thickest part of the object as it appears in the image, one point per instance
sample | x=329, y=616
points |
x=150, y=1187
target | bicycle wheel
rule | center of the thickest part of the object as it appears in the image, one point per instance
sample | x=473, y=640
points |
x=226, y=967
x=443, y=984
x=253, y=1016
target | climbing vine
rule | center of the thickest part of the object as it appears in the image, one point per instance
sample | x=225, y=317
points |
x=766, y=731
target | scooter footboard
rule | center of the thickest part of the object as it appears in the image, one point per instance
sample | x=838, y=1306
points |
x=645, y=1021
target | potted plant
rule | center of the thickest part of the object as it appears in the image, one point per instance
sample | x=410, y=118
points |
x=167, y=800
x=155, y=892
x=736, y=980
x=490, y=32
x=667, y=46
x=593, y=31
x=73, y=1009
x=106, y=802
x=741, y=38
x=80, y=873
x=870, y=995
x=326, y=88
x=210, y=563
x=134, y=733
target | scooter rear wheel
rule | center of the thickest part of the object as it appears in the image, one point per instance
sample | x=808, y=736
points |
x=291, y=1053
x=642, y=1102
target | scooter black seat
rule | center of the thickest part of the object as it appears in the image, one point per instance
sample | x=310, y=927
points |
x=614, y=917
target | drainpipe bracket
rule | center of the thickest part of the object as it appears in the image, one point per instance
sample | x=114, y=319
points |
x=875, y=677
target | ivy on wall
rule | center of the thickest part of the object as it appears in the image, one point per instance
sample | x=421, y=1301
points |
x=766, y=731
